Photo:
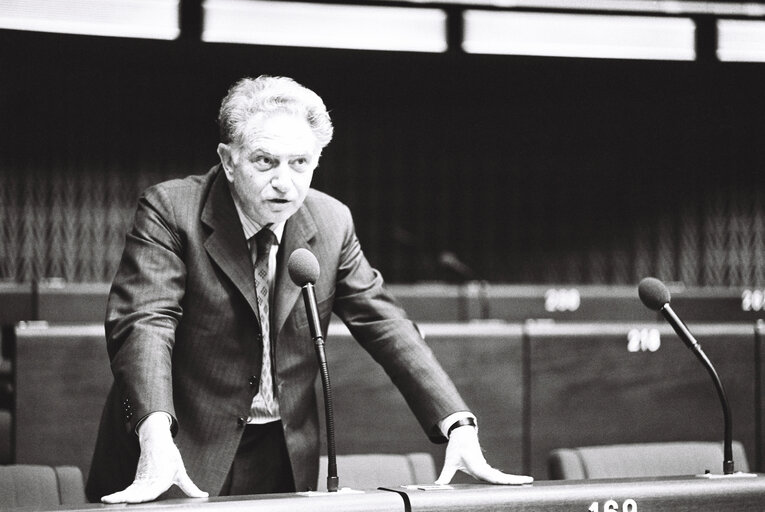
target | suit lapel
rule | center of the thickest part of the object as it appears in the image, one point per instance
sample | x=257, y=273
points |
x=226, y=244
x=299, y=232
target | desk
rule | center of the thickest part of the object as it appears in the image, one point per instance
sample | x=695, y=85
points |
x=628, y=495
x=677, y=494
x=368, y=501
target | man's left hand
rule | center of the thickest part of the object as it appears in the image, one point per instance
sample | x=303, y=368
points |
x=463, y=453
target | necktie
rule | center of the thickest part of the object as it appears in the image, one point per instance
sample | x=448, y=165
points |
x=264, y=240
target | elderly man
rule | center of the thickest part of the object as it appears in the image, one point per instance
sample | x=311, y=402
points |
x=208, y=339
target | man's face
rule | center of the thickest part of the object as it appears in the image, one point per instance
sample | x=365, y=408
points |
x=271, y=170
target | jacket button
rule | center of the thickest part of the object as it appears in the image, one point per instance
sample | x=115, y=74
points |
x=241, y=421
x=253, y=381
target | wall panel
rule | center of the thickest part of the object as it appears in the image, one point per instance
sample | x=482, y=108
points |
x=594, y=384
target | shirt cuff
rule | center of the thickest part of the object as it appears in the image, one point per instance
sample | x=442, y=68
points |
x=450, y=420
x=161, y=413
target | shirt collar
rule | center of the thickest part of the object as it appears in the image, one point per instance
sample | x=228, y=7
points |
x=251, y=227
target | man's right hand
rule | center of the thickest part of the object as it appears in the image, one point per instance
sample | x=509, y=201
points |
x=159, y=466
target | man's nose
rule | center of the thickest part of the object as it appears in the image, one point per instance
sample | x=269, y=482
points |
x=280, y=179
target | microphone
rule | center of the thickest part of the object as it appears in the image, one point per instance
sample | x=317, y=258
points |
x=304, y=270
x=656, y=296
x=449, y=261
x=463, y=273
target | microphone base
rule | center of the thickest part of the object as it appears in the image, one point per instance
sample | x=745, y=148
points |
x=737, y=474
x=320, y=494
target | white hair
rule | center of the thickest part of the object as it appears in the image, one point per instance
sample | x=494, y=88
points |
x=268, y=94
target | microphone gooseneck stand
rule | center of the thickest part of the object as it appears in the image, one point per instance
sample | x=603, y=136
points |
x=682, y=331
x=655, y=295
x=309, y=297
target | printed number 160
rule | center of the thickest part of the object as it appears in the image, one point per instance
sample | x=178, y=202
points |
x=629, y=505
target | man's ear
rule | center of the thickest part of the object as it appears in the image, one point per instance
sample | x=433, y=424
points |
x=226, y=154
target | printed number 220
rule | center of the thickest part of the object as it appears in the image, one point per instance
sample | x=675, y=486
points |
x=629, y=505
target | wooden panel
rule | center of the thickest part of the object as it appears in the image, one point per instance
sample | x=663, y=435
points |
x=441, y=302
x=72, y=302
x=435, y=302
x=621, y=303
x=62, y=379
x=567, y=303
x=517, y=303
x=15, y=302
x=588, y=388
x=719, y=304
x=483, y=360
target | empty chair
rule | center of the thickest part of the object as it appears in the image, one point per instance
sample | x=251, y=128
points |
x=641, y=460
x=373, y=470
x=35, y=486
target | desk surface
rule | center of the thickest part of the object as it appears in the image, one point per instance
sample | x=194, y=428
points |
x=624, y=495
x=367, y=501
x=691, y=493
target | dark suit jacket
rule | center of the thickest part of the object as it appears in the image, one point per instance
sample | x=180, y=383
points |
x=183, y=333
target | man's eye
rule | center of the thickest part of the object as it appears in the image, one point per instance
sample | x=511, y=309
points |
x=300, y=163
x=263, y=161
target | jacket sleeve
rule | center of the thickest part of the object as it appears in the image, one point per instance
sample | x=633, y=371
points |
x=144, y=308
x=380, y=325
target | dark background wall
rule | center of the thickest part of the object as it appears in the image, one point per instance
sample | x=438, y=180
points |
x=529, y=169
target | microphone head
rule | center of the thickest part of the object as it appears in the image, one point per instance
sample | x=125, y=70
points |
x=653, y=293
x=451, y=262
x=303, y=267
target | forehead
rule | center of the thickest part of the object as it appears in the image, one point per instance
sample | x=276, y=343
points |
x=279, y=133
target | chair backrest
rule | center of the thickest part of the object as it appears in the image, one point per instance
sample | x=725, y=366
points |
x=373, y=470
x=641, y=460
x=40, y=486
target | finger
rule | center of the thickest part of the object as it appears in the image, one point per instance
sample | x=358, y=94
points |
x=508, y=479
x=124, y=496
x=520, y=479
x=190, y=488
x=137, y=492
x=495, y=476
x=447, y=473
x=117, y=497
